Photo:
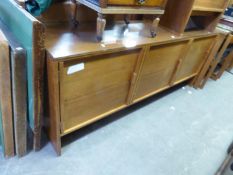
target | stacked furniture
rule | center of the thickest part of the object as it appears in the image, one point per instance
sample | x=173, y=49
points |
x=87, y=80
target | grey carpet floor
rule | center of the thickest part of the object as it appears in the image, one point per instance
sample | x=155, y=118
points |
x=184, y=132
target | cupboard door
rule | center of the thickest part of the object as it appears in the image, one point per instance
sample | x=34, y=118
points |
x=158, y=68
x=158, y=3
x=195, y=58
x=93, y=87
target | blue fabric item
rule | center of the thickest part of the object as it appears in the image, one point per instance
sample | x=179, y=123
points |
x=37, y=7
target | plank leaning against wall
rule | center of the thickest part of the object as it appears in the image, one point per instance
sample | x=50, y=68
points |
x=6, y=118
x=30, y=33
x=19, y=91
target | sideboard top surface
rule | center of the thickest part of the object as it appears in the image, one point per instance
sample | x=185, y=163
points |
x=63, y=43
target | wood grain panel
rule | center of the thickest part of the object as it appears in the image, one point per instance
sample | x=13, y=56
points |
x=54, y=104
x=158, y=68
x=5, y=97
x=176, y=15
x=102, y=86
x=195, y=58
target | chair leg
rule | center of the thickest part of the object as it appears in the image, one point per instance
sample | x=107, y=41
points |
x=154, y=27
x=74, y=20
x=101, y=23
x=126, y=19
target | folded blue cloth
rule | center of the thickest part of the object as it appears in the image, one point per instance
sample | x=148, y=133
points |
x=37, y=7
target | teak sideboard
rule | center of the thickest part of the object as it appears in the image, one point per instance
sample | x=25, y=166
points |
x=88, y=81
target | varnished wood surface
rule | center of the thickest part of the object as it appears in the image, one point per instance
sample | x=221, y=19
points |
x=19, y=91
x=226, y=64
x=195, y=57
x=207, y=14
x=223, y=42
x=102, y=86
x=6, y=97
x=210, y=55
x=54, y=104
x=122, y=9
x=158, y=67
x=29, y=31
x=210, y=4
x=38, y=80
x=63, y=42
x=156, y=3
x=66, y=12
x=177, y=23
x=125, y=68
x=225, y=39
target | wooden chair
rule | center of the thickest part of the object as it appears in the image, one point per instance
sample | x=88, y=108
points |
x=126, y=8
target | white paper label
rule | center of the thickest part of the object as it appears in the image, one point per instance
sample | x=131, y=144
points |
x=75, y=68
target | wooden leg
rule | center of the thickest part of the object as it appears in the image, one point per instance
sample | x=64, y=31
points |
x=74, y=20
x=154, y=27
x=101, y=23
x=126, y=19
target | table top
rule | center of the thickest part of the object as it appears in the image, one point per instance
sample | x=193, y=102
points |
x=63, y=42
x=123, y=9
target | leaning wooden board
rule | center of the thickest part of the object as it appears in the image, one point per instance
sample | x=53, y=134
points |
x=29, y=32
x=6, y=98
x=19, y=91
x=89, y=81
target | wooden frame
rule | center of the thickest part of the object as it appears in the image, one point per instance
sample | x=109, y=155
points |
x=205, y=14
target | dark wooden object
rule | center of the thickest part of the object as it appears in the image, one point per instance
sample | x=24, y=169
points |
x=19, y=91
